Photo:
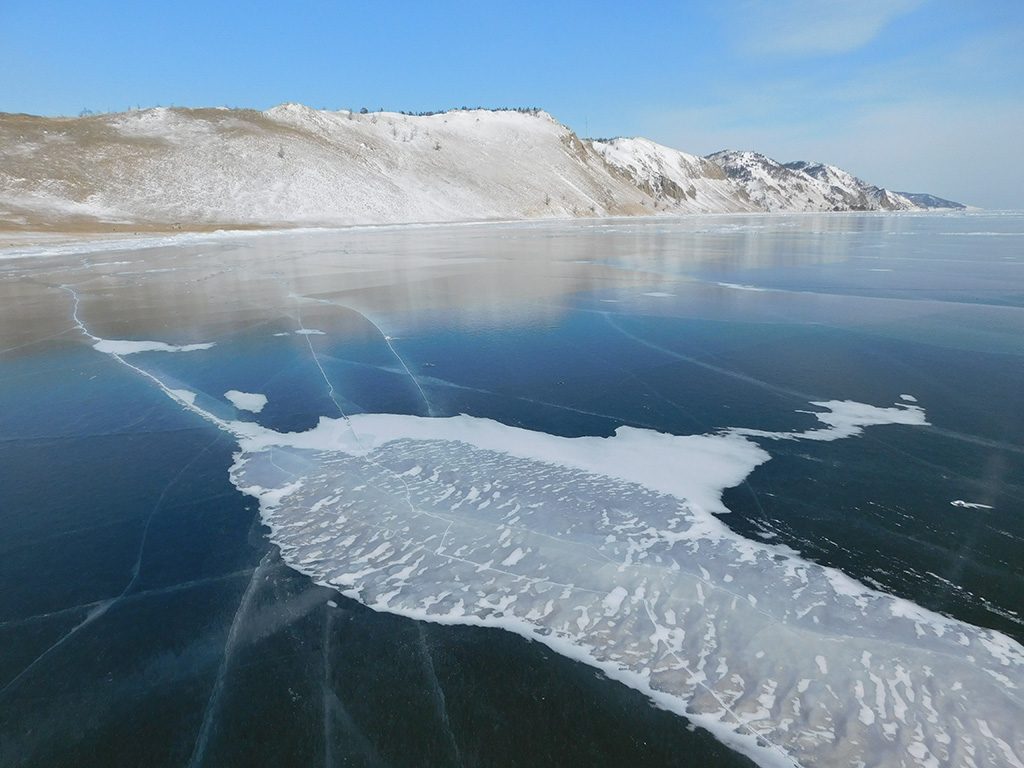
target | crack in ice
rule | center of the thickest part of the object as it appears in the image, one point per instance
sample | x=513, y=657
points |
x=773, y=634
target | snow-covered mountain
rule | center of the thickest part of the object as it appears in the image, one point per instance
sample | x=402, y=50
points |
x=292, y=165
x=676, y=180
x=804, y=186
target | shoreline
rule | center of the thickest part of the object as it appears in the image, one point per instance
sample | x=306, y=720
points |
x=25, y=242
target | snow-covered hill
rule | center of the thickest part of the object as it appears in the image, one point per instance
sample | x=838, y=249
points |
x=295, y=165
x=924, y=200
x=292, y=165
x=804, y=186
x=676, y=180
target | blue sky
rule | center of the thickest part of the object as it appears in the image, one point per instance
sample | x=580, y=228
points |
x=923, y=95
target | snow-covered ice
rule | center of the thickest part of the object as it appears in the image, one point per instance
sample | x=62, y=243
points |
x=970, y=504
x=606, y=549
x=246, y=401
x=126, y=347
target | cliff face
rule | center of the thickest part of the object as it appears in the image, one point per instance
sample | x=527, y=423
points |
x=292, y=165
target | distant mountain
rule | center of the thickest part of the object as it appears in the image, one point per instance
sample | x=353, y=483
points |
x=804, y=186
x=292, y=165
x=931, y=202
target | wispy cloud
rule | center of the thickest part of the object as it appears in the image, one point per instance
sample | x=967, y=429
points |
x=815, y=27
x=961, y=150
x=921, y=121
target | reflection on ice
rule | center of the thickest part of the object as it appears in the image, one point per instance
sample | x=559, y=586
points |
x=605, y=550
x=608, y=550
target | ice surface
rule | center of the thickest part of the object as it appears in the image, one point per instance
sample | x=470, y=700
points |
x=743, y=287
x=246, y=401
x=608, y=550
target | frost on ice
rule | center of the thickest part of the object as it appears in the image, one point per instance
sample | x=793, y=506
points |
x=606, y=550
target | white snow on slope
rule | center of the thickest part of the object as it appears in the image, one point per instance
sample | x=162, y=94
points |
x=851, y=192
x=296, y=166
x=682, y=182
x=803, y=186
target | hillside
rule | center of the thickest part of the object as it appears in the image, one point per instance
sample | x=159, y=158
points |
x=291, y=165
x=677, y=181
x=804, y=186
x=924, y=200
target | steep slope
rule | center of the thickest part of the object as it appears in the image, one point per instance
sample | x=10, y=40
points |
x=804, y=186
x=295, y=165
x=676, y=180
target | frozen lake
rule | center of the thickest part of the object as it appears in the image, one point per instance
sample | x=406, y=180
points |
x=722, y=490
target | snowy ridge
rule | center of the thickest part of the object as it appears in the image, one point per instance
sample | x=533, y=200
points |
x=854, y=192
x=162, y=169
x=804, y=186
x=676, y=180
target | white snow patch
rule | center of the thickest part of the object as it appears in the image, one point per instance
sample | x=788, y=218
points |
x=246, y=401
x=185, y=395
x=743, y=287
x=613, y=600
x=970, y=504
x=126, y=347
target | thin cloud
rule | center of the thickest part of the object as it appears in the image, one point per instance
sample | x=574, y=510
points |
x=960, y=150
x=816, y=27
